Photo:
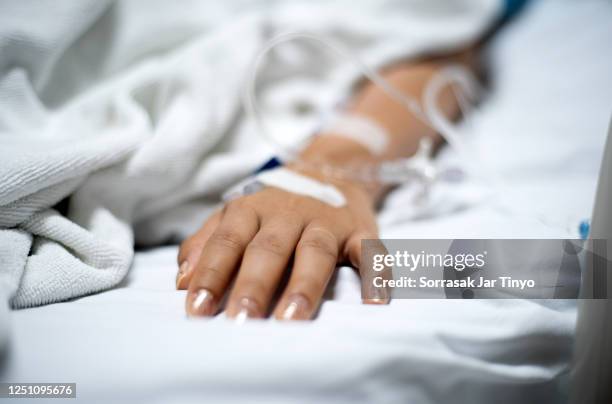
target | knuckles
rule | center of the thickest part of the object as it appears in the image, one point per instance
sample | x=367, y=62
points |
x=235, y=205
x=270, y=242
x=227, y=238
x=321, y=240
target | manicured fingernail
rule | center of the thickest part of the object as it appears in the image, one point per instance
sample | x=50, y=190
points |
x=247, y=308
x=297, y=308
x=377, y=296
x=201, y=303
x=182, y=272
x=371, y=294
x=376, y=300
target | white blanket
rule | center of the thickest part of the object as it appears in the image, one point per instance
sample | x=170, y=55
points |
x=132, y=108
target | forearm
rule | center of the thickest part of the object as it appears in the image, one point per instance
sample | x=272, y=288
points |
x=403, y=128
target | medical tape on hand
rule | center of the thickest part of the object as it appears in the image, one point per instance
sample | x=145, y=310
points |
x=289, y=181
x=360, y=129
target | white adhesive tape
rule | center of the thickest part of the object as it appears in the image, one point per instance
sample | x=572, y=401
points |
x=290, y=181
x=359, y=129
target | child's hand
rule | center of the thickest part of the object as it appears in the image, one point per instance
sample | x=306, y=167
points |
x=254, y=239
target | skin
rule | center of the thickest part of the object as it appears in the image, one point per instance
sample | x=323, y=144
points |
x=254, y=239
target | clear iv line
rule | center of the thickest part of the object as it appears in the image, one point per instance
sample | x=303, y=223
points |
x=419, y=166
x=385, y=172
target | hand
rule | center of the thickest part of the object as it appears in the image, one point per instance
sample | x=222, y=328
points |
x=255, y=238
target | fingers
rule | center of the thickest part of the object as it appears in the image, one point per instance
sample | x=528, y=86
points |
x=370, y=293
x=220, y=257
x=264, y=262
x=191, y=249
x=315, y=260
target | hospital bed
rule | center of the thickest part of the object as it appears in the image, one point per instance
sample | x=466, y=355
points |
x=543, y=125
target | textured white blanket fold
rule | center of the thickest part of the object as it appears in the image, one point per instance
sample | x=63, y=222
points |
x=132, y=109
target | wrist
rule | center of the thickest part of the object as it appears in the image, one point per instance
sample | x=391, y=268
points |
x=336, y=160
x=350, y=188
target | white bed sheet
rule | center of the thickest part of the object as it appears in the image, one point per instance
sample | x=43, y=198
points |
x=543, y=127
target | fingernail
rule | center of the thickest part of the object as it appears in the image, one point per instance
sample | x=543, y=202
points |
x=377, y=296
x=247, y=308
x=376, y=300
x=373, y=294
x=200, y=303
x=297, y=308
x=182, y=272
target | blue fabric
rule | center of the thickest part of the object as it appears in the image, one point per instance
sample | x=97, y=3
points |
x=270, y=164
x=512, y=8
